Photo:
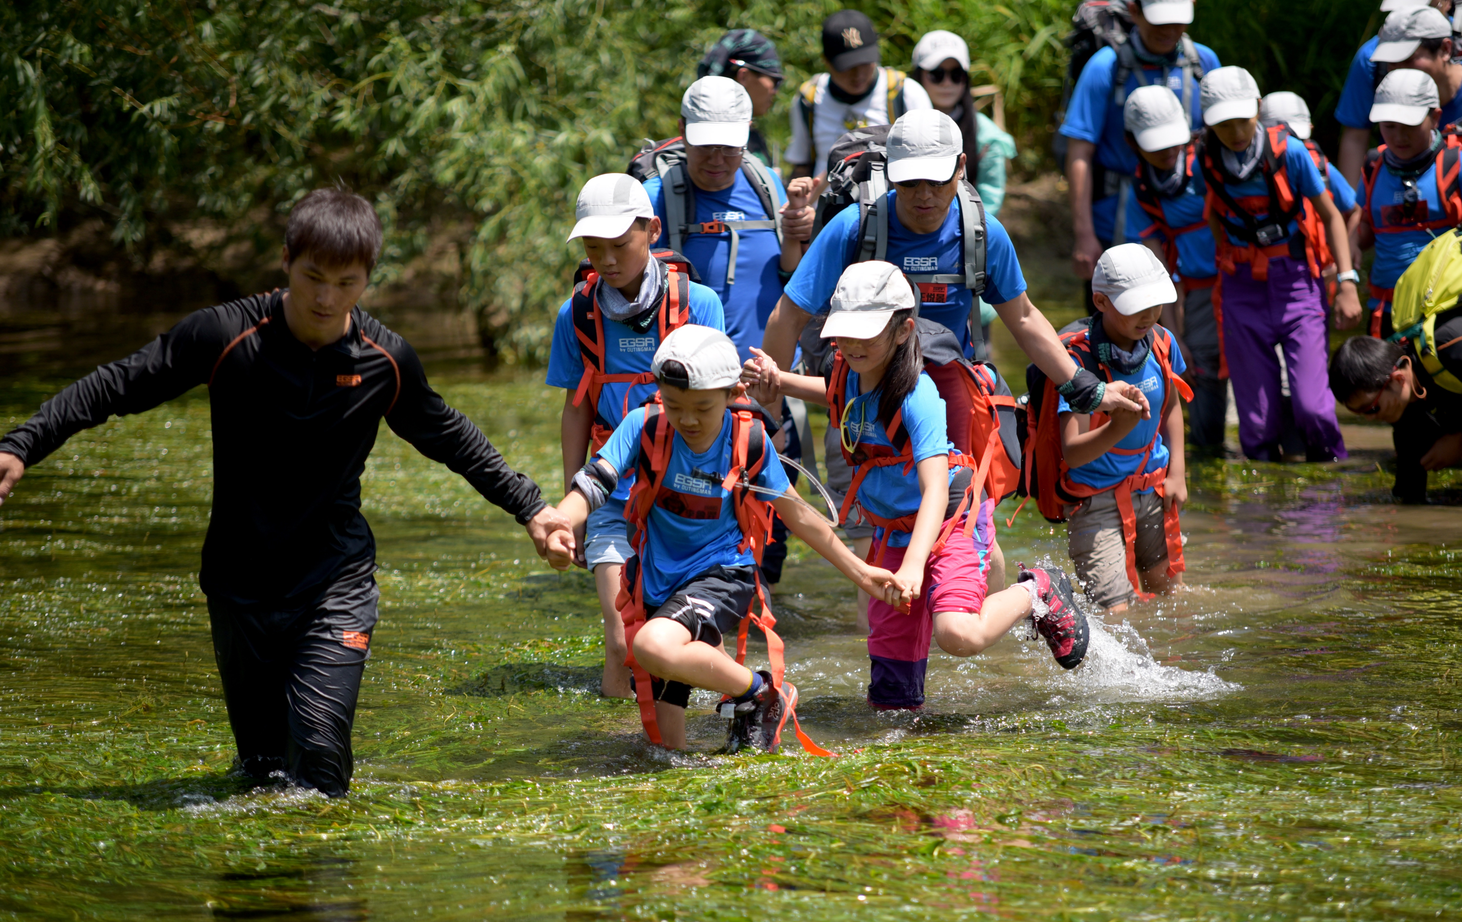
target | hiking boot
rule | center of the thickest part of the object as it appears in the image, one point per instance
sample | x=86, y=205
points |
x=752, y=719
x=1063, y=625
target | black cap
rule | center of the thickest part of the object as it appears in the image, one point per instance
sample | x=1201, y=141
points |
x=849, y=39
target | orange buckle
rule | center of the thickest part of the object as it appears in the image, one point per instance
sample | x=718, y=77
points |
x=713, y=227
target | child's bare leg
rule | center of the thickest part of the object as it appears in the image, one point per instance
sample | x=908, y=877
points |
x=1156, y=579
x=671, y=719
x=861, y=547
x=995, y=577
x=616, y=674
x=665, y=648
x=962, y=633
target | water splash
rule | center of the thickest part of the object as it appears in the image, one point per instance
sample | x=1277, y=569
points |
x=1120, y=668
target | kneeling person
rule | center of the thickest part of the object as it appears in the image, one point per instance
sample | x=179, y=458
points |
x=693, y=577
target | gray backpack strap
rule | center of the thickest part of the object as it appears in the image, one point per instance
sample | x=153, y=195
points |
x=679, y=202
x=1126, y=66
x=761, y=181
x=972, y=218
x=1192, y=73
x=873, y=218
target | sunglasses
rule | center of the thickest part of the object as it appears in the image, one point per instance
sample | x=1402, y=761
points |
x=912, y=184
x=953, y=74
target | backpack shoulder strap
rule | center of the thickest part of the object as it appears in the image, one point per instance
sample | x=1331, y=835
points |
x=761, y=182
x=1126, y=66
x=1449, y=184
x=976, y=246
x=897, y=105
x=1192, y=66
x=588, y=324
x=679, y=203
x=807, y=104
x=675, y=309
x=873, y=230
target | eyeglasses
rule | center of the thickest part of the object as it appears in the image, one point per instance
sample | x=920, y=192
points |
x=912, y=184
x=712, y=150
x=954, y=75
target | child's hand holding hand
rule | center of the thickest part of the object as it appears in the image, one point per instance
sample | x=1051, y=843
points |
x=798, y=213
x=762, y=378
x=1175, y=492
x=887, y=588
x=561, y=549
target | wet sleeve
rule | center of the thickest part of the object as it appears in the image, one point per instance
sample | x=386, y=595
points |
x=706, y=308
x=816, y=277
x=622, y=449
x=445, y=435
x=1340, y=190
x=167, y=367
x=655, y=189
x=565, y=363
x=1354, y=108
x=1003, y=278
x=924, y=416
x=1086, y=115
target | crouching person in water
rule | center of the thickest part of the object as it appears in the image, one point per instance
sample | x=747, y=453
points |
x=298, y=382
x=920, y=493
x=701, y=463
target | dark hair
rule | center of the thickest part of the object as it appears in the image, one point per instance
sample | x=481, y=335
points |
x=902, y=374
x=675, y=374
x=642, y=223
x=1362, y=364
x=336, y=227
x=1433, y=45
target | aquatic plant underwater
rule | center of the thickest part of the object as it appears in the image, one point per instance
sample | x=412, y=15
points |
x=1280, y=742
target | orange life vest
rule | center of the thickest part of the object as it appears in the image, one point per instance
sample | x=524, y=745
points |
x=753, y=515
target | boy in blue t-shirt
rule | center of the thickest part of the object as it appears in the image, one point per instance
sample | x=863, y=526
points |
x=695, y=576
x=1126, y=475
x=603, y=341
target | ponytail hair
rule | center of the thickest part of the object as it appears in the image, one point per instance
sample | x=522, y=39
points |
x=904, y=368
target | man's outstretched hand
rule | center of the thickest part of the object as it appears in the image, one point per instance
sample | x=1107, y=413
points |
x=1120, y=395
x=544, y=525
x=11, y=470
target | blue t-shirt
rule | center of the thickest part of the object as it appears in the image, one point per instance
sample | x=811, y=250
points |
x=887, y=491
x=1304, y=180
x=1111, y=468
x=626, y=351
x=1185, y=209
x=1359, y=93
x=1396, y=250
x=1340, y=190
x=1094, y=116
x=749, y=301
x=692, y=526
x=836, y=247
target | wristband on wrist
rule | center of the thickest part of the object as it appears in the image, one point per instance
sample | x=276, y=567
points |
x=1084, y=392
x=1349, y=276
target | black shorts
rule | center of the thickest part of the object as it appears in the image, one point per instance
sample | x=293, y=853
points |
x=710, y=606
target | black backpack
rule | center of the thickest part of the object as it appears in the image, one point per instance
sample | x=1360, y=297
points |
x=1095, y=25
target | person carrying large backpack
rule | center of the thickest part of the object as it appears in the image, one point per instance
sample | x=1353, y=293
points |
x=1410, y=191
x=1276, y=229
x=855, y=92
x=1099, y=164
x=630, y=297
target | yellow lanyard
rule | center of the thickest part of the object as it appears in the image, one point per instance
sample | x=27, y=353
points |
x=843, y=423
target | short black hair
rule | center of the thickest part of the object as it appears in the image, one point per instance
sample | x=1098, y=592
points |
x=1362, y=364
x=675, y=374
x=1433, y=45
x=642, y=223
x=336, y=227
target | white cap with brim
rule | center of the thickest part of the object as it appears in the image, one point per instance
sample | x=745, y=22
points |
x=923, y=144
x=717, y=111
x=608, y=204
x=1390, y=6
x=868, y=294
x=1133, y=278
x=939, y=46
x=1288, y=109
x=1156, y=119
x=1168, y=12
x=1228, y=93
x=1405, y=96
x=707, y=355
x=1404, y=31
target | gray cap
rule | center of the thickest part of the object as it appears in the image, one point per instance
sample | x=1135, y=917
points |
x=1405, y=29
x=923, y=144
x=608, y=204
x=1288, y=109
x=868, y=293
x=1168, y=12
x=717, y=111
x=1228, y=92
x=709, y=357
x=1406, y=96
x=1133, y=278
x=1156, y=119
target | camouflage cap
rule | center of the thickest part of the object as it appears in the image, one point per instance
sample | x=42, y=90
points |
x=740, y=48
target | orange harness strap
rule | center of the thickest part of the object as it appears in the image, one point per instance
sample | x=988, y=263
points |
x=1383, y=296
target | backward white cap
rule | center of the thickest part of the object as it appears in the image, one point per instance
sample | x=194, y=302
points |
x=608, y=204
x=1168, y=12
x=1156, y=119
x=1403, y=31
x=937, y=47
x=867, y=295
x=1289, y=109
x=923, y=144
x=708, y=356
x=717, y=111
x=1405, y=96
x=1228, y=92
x=1133, y=278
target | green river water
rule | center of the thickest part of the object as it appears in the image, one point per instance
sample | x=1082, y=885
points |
x=1281, y=742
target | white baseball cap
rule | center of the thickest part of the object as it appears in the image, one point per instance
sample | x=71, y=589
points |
x=1286, y=108
x=608, y=204
x=868, y=294
x=1228, y=92
x=717, y=111
x=1405, y=96
x=1168, y=12
x=1388, y=6
x=708, y=356
x=939, y=46
x=1403, y=31
x=1133, y=278
x=1156, y=119
x=923, y=144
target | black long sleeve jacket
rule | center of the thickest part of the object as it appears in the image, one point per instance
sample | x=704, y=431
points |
x=291, y=431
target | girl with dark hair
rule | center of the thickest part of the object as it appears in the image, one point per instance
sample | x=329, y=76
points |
x=934, y=529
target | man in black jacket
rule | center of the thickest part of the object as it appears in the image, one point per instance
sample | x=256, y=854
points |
x=298, y=382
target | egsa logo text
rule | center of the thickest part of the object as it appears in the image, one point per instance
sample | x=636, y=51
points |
x=688, y=484
x=728, y=216
x=921, y=263
x=637, y=344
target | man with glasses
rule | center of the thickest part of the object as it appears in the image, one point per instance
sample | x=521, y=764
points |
x=1099, y=164
x=749, y=58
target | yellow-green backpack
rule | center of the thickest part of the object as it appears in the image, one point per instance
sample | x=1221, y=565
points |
x=1431, y=285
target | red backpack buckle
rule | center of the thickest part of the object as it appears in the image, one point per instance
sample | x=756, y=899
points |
x=713, y=227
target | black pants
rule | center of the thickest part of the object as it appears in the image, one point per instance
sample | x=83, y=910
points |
x=291, y=679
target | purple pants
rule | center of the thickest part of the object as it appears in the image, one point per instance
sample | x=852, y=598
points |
x=1286, y=309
